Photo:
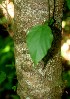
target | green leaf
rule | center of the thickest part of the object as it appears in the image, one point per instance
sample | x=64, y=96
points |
x=68, y=3
x=15, y=97
x=14, y=88
x=39, y=40
x=3, y=20
x=2, y=76
x=51, y=21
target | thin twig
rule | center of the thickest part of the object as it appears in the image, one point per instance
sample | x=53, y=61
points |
x=49, y=8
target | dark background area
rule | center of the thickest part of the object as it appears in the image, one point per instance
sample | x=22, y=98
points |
x=8, y=78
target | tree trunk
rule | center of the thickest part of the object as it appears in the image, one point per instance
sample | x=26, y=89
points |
x=41, y=81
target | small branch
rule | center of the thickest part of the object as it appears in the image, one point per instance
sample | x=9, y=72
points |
x=49, y=8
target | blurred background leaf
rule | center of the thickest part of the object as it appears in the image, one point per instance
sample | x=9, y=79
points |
x=68, y=3
x=2, y=76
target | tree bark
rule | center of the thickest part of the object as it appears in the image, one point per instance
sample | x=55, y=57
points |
x=41, y=81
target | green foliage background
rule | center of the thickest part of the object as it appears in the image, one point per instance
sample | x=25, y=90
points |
x=8, y=80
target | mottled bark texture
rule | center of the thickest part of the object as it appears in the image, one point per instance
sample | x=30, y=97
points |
x=44, y=80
